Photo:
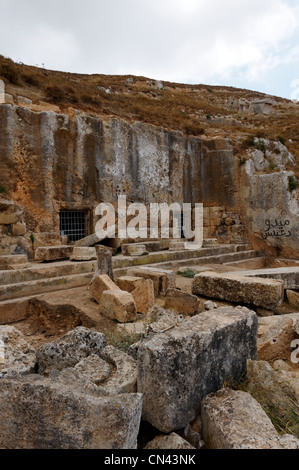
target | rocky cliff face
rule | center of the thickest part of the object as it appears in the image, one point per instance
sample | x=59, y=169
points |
x=51, y=161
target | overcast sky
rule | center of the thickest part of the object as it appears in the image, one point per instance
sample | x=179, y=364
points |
x=245, y=43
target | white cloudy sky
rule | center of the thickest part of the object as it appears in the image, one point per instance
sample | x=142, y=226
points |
x=245, y=43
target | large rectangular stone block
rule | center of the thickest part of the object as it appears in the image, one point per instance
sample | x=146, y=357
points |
x=39, y=413
x=53, y=253
x=176, y=369
x=266, y=293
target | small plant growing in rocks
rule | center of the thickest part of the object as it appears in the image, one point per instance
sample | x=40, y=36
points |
x=293, y=183
x=189, y=273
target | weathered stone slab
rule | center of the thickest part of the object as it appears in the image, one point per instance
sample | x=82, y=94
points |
x=83, y=253
x=144, y=296
x=49, y=415
x=118, y=305
x=178, y=368
x=53, y=253
x=48, y=239
x=129, y=283
x=12, y=260
x=266, y=293
x=151, y=246
x=177, y=244
x=70, y=349
x=162, y=278
x=99, y=285
x=181, y=302
x=235, y=420
x=91, y=240
x=17, y=357
x=173, y=441
x=136, y=250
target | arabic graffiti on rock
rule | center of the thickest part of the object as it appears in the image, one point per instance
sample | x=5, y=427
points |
x=277, y=229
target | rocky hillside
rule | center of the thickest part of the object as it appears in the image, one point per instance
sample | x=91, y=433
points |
x=71, y=141
x=193, y=109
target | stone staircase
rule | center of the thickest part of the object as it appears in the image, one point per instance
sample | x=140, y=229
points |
x=40, y=278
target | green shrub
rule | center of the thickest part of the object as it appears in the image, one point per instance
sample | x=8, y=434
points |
x=282, y=140
x=260, y=145
x=187, y=273
x=122, y=340
x=31, y=80
x=55, y=94
x=293, y=183
x=2, y=189
x=9, y=71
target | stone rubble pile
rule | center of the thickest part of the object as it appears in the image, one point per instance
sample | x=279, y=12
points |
x=79, y=392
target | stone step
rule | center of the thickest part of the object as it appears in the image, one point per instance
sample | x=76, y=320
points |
x=46, y=271
x=28, y=288
x=9, y=261
x=215, y=259
x=151, y=246
x=168, y=256
x=53, y=253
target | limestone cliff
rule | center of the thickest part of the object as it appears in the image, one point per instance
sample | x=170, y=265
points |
x=51, y=161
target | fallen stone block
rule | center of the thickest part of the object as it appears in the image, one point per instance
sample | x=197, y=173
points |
x=260, y=292
x=49, y=415
x=99, y=285
x=17, y=357
x=144, y=296
x=136, y=250
x=173, y=441
x=181, y=302
x=118, y=305
x=48, y=239
x=129, y=283
x=160, y=320
x=82, y=253
x=163, y=279
x=91, y=240
x=53, y=253
x=69, y=350
x=177, y=368
x=151, y=246
x=275, y=335
x=235, y=420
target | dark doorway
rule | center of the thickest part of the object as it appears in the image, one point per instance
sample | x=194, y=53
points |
x=73, y=224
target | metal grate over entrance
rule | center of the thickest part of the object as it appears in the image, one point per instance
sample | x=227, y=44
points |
x=73, y=224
